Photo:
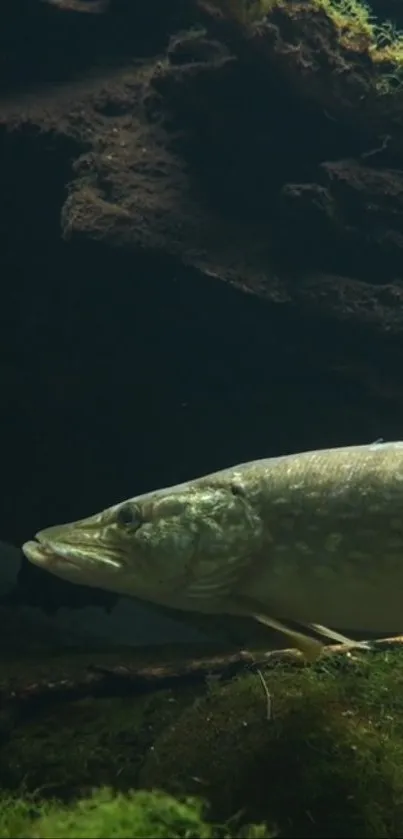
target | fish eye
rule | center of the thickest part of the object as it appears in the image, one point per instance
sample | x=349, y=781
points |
x=129, y=516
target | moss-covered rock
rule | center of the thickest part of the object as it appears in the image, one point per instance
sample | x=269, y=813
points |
x=328, y=763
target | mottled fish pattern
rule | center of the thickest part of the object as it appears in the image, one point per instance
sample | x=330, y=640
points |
x=315, y=538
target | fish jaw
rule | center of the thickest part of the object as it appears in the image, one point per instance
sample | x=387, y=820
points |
x=45, y=557
x=75, y=551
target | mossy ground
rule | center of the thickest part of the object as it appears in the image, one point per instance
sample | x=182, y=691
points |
x=328, y=763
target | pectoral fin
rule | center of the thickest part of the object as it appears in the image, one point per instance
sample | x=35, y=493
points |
x=309, y=647
x=336, y=636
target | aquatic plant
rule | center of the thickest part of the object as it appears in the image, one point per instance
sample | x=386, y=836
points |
x=107, y=814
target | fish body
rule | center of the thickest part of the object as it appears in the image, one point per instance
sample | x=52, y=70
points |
x=315, y=538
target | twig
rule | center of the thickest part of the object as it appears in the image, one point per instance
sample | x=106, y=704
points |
x=267, y=694
x=125, y=679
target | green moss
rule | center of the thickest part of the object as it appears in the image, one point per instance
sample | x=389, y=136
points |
x=17, y=815
x=106, y=814
x=329, y=762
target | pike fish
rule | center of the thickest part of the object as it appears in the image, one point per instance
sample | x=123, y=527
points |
x=314, y=539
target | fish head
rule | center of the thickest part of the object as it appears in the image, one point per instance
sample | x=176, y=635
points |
x=184, y=548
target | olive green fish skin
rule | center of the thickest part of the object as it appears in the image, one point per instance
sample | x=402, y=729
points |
x=311, y=537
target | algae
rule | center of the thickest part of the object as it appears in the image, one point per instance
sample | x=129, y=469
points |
x=106, y=814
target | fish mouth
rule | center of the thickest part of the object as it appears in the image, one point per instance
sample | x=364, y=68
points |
x=51, y=554
x=43, y=553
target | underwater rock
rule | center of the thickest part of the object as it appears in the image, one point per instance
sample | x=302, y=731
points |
x=327, y=763
x=346, y=221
